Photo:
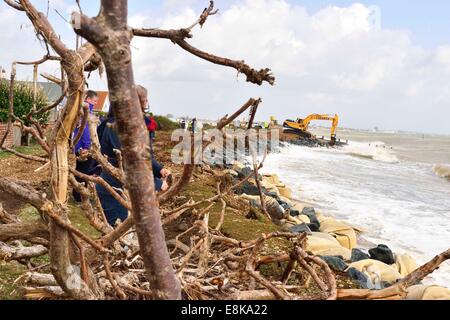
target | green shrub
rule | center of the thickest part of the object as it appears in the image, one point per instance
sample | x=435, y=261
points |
x=165, y=124
x=23, y=101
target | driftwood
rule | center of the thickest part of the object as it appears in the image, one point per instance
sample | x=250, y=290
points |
x=9, y=253
x=203, y=263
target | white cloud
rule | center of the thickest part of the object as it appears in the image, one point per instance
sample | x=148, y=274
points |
x=337, y=60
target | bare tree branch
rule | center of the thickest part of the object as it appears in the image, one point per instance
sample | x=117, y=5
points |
x=14, y=4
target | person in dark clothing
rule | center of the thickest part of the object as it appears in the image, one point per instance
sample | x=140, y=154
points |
x=85, y=164
x=109, y=141
x=194, y=123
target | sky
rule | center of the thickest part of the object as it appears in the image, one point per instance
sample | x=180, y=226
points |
x=382, y=63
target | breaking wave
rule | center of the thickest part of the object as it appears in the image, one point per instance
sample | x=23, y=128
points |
x=442, y=171
x=377, y=151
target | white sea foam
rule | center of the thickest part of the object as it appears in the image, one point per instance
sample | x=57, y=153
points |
x=401, y=204
x=373, y=150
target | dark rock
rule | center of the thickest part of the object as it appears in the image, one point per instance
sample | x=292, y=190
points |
x=335, y=263
x=274, y=209
x=315, y=227
x=285, y=205
x=294, y=212
x=309, y=211
x=245, y=172
x=250, y=189
x=300, y=228
x=272, y=194
x=359, y=255
x=360, y=278
x=382, y=253
x=311, y=214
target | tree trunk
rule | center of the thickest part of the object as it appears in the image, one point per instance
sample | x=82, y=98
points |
x=111, y=36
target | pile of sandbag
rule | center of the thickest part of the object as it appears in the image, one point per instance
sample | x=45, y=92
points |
x=323, y=244
x=421, y=292
x=342, y=232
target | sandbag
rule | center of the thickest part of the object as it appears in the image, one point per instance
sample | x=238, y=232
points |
x=299, y=206
x=377, y=271
x=321, y=217
x=421, y=292
x=250, y=198
x=285, y=191
x=323, y=244
x=275, y=210
x=238, y=166
x=304, y=219
x=270, y=187
x=272, y=179
x=342, y=232
x=405, y=264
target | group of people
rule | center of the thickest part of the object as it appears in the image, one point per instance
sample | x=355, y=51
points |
x=109, y=141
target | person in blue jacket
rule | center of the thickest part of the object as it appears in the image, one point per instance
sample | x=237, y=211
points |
x=85, y=164
x=109, y=141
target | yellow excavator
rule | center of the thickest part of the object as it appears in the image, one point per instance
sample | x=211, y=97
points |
x=301, y=126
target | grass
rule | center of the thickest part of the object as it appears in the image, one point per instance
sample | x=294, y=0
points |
x=235, y=225
x=10, y=271
x=32, y=150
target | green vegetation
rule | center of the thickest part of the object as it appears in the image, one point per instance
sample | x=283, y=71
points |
x=165, y=124
x=32, y=150
x=23, y=101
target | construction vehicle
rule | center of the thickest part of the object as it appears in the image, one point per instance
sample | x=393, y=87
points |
x=301, y=126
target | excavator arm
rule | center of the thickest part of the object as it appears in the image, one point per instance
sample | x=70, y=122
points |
x=302, y=125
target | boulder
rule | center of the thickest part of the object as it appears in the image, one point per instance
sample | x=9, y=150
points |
x=294, y=212
x=245, y=172
x=311, y=214
x=360, y=278
x=342, y=232
x=250, y=189
x=421, y=292
x=378, y=272
x=322, y=244
x=275, y=210
x=335, y=263
x=405, y=264
x=359, y=255
x=382, y=253
x=285, y=200
x=274, y=195
x=300, y=228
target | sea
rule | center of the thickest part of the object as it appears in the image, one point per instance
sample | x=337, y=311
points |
x=395, y=186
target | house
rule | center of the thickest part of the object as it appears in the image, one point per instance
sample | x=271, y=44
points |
x=103, y=102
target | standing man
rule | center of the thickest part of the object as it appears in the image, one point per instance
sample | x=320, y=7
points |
x=194, y=123
x=152, y=126
x=85, y=164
